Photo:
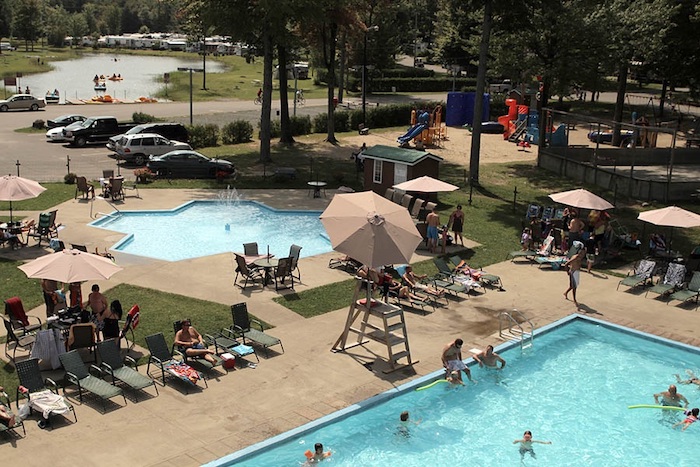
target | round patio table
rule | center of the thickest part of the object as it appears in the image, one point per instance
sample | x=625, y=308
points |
x=268, y=264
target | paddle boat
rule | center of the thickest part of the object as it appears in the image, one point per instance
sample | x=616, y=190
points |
x=115, y=78
x=100, y=86
x=52, y=97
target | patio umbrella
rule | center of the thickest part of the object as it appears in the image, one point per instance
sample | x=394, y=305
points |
x=426, y=184
x=370, y=229
x=70, y=266
x=672, y=216
x=581, y=198
x=13, y=188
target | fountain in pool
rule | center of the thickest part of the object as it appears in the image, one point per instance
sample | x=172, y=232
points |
x=228, y=197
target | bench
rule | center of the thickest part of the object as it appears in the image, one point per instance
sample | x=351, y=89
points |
x=290, y=172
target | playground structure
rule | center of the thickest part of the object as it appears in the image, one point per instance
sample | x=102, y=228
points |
x=427, y=128
x=521, y=124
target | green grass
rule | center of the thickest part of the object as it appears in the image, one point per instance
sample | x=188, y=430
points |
x=56, y=193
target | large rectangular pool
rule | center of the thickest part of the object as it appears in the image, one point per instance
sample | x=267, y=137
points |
x=572, y=388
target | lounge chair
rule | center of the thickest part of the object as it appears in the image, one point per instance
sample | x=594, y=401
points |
x=673, y=279
x=406, y=201
x=250, y=249
x=116, y=189
x=640, y=275
x=429, y=206
x=691, y=291
x=283, y=272
x=417, y=206
x=249, y=273
x=46, y=227
x=133, y=318
x=389, y=193
x=25, y=342
x=84, y=188
x=21, y=324
x=347, y=264
x=225, y=341
x=5, y=400
x=82, y=336
x=29, y=375
x=113, y=365
x=242, y=323
x=78, y=374
x=162, y=358
x=444, y=279
x=75, y=246
x=294, y=252
x=397, y=196
x=423, y=303
x=491, y=280
x=200, y=361
x=108, y=173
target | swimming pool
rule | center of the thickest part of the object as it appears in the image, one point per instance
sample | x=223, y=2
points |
x=572, y=388
x=202, y=228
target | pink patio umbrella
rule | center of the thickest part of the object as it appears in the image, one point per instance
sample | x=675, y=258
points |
x=70, y=266
x=581, y=198
x=672, y=216
x=426, y=184
x=370, y=229
x=13, y=188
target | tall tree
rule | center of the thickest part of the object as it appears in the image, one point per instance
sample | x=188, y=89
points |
x=28, y=22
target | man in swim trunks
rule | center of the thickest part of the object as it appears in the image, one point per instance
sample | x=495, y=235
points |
x=489, y=358
x=452, y=359
x=574, y=269
x=433, y=221
x=671, y=397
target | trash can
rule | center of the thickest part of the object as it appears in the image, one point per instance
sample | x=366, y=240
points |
x=335, y=102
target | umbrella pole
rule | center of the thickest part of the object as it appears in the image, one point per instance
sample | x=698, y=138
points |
x=10, y=211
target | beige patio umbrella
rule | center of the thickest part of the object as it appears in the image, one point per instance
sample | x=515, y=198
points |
x=672, y=216
x=581, y=198
x=70, y=266
x=13, y=188
x=370, y=229
x=426, y=184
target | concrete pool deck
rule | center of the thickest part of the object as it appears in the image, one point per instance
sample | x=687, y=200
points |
x=307, y=381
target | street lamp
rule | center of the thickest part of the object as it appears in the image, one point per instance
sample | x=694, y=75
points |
x=364, y=73
x=190, y=70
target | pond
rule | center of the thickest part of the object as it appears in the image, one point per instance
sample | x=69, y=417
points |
x=74, y=78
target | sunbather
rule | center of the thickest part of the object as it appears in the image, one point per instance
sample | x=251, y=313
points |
x=414, y=282
x=190, y=342
x=5, y=416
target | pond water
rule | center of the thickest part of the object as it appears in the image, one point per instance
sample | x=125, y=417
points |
x=74, y=78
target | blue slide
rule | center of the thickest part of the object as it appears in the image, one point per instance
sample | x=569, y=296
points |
x=412, y=132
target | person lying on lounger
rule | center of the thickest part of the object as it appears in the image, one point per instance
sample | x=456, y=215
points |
x=190, y=341
x=413, y=281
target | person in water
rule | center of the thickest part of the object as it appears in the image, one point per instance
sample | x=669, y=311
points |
x=671, y=397
x=692, y=379
x=691, y=416
x=526, y=444
x=317, y=456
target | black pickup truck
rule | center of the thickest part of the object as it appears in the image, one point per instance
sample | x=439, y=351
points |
x=96, y=130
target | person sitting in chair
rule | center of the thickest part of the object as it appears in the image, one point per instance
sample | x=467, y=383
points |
x=190, y=342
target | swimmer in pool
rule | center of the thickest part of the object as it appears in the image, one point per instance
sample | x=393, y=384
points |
x=692, y=379
x=691, y=416
x=526, y=444
x=405, y=423
x=489, y=358
x=317, y=456
x=454, y=378
x=671, y=397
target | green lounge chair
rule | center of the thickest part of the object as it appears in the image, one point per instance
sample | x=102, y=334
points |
x=242, y=326
x=201, y=362
x=491, y=280
x=527, y=254
x=4, y=426
x=113, y=365
x=673, y=279
x=225, y=341
x=46, y=228
x=691, y=291
x=162, y=358
x=640, y=275
x=29, y=375
x=78, y=374
x=444, y=279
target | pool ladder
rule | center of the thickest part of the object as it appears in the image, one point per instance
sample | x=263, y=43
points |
x=514, y=329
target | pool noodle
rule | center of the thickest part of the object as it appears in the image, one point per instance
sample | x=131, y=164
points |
x=645, y=406
x=431, y=384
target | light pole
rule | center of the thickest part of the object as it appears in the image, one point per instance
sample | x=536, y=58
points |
x=190, y=70
x=364, y=74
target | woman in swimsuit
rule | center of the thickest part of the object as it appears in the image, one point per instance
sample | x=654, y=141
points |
x=457, y=221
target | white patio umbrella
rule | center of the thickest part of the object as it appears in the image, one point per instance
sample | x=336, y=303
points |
x=370, y=229
x=581, y=198
x=425, y=184
x=672, y=216
x=70, y=266
x=13, y=188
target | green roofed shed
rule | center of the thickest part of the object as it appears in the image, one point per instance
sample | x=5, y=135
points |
x=385, y=166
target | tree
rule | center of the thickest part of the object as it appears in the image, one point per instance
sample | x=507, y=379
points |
x=113, y=19
x=28, y=22
x=57, y=26
x=78, y=26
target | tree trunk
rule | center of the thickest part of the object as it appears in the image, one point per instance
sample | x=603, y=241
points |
x=341, y=72
x=620, y=102
x=330, y=66
x=286, y=128
x=265, y=124
x=479, y=100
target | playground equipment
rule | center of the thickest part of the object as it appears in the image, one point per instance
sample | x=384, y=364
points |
x=426, y=128
x=523, y=124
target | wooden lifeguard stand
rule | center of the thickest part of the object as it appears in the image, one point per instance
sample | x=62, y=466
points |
x=378, y=321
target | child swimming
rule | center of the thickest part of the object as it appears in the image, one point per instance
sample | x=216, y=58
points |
x=691, y=416
x=526, y=444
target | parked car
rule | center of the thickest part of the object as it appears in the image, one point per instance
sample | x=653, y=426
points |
x=137, y=148
x=503, y=87
x=96, y=130
x=606, y=137
x=172, y=131
x=188, y=164
x=65, y=120
x=56, y=135
x=22, y=102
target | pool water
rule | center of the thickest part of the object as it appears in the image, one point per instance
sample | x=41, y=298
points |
x=202, y=228
x=572, y=389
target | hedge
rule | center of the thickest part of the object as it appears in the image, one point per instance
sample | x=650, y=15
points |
x=203, y=136
x=236, y=132
x=383, y=116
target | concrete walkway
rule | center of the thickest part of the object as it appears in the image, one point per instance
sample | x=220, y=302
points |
x=307, y=381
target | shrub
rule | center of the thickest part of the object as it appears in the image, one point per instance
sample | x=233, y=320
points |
x=340, y=118
x=236, y=132
x=140, y=117
x=143, y=175
x=436, y=84
x=39, y=124
x=275, y=129
x=202, y=136
x=300, y=125
x=69, y=178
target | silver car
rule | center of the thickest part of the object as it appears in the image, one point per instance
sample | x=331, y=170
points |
x=22, y=102
x=136, y=148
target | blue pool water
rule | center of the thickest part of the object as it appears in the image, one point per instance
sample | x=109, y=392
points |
x=199, y=228
x=572, y=389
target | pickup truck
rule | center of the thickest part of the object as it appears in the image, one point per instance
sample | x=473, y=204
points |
x=504, y=86
x=95, y=130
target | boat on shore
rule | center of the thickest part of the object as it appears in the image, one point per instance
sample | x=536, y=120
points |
x=52, y=97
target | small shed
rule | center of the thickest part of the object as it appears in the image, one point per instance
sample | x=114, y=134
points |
x=385, y=166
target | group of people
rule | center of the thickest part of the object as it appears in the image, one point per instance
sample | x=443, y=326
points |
x=454, y=365
x=673, y=398
x=437, y=235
